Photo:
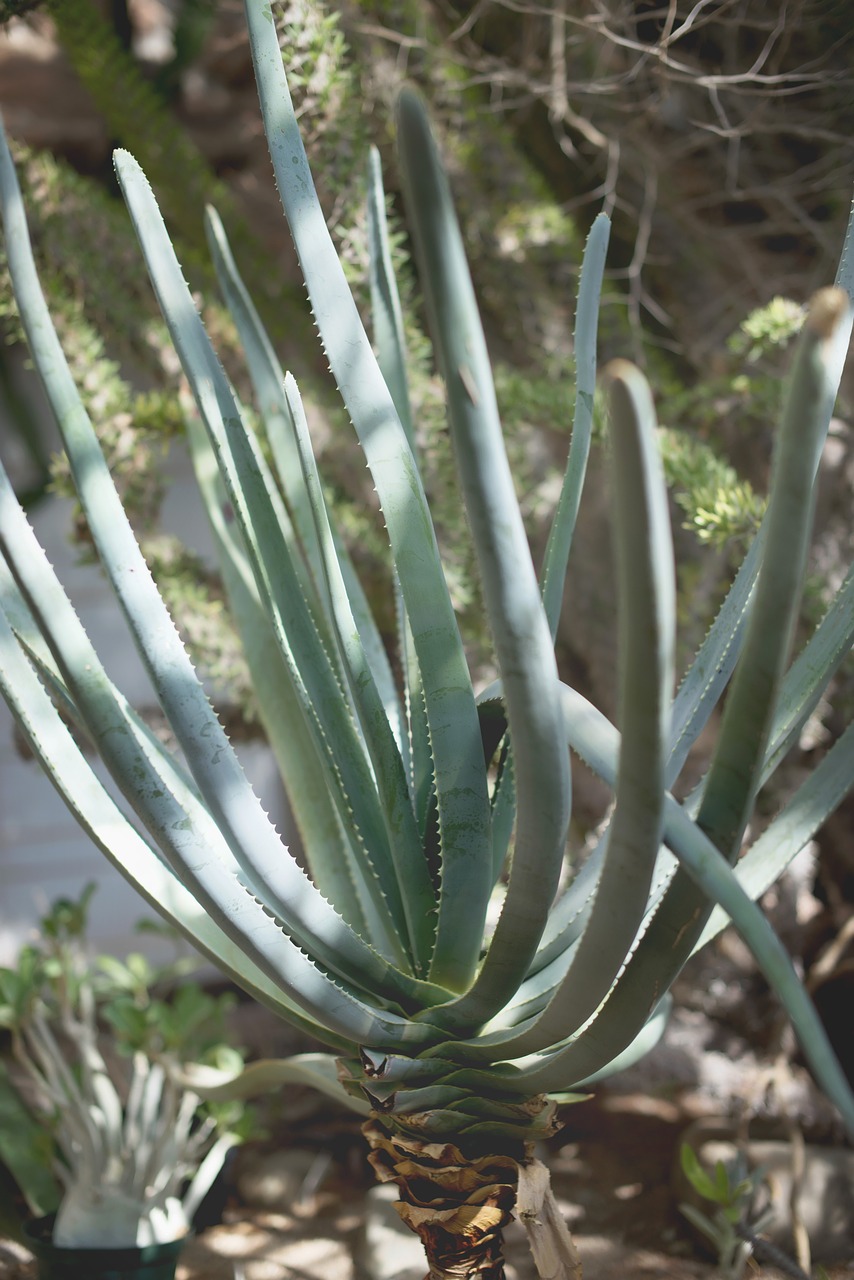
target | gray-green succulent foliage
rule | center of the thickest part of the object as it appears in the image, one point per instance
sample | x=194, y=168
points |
x=726, y=1220
x=121, y=1150
x=429, y=944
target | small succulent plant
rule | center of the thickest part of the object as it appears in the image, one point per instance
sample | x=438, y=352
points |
x=106, y=1137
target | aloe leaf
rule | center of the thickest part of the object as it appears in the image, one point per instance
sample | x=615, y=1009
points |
x=335, y=869
x=714, y=663
x=586, y=330
x=645, y=1040
x=110, y=829
x=421, y=769
x=118, y=839
x=449, y=699
x=374, y=647
x=80, y=438
x=503, y=811
x=522, y=1012
x=704, y=683
x=624, y=1013
x=736, y=769
x=218, y=773
x=268, y=383
x=519, y=627
x=205, y=744
x=517, y=1074
x=800, y=693
x=646, y=610
x=173, y=814
x=390, y=342
x=267, y=1076
x=845, y=280
x=567, y=916
x=386, y=311
x=497, y=749
x=237, y=933
x=409, y=865
x=793, y=828
x=716, y=879
x=87, y=683
x=350, y=781
x=734, y=773
x=337, y=872
x=810, y=674
x=621, y=1018
x=572, y=982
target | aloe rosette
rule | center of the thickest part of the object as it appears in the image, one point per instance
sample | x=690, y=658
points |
x=422, y=802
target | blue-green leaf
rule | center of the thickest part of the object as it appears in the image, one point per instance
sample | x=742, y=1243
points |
x=250, y=491
x=646, y=610
x=586, y=331
x=386, y=312
x=449, y=699
x=334, y=866
x=410, y=868
x=517, y=620
x=734, y=774
x=116, y=836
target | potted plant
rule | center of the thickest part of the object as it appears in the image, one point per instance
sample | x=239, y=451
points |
x=125, y=1153
x=423, y=801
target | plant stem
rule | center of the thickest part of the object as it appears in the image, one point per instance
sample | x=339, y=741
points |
x=458, y=1207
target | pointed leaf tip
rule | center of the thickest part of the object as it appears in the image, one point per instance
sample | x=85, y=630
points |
x=122, y=157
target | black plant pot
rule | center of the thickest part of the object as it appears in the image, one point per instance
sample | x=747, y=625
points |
x=58, y=1262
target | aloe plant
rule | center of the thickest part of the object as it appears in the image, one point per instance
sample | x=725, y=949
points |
x=428, y=944
x=119, y=1149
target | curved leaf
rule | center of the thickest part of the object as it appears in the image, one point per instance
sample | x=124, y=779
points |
x=792, y=829
x=586, y=331
x=517, y=620
x=733, y=777
x=646, y=609
x=414, y=884
x=118, y=839
x=172, y=812
x=448, y=695
x=266, y=1076
x=335, y=869
x=386, y=312
x=350, y=781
